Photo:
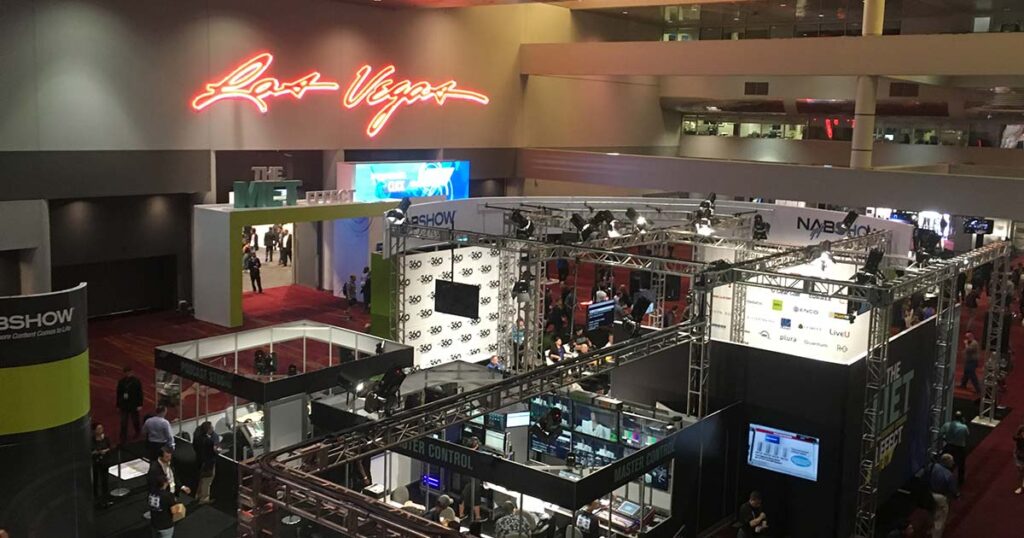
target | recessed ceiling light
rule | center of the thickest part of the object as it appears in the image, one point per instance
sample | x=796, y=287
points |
x=821, y=15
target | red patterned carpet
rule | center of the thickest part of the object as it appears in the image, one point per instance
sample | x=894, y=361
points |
x=129, y=340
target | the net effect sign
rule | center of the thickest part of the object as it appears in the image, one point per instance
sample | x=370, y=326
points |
x=376, y=89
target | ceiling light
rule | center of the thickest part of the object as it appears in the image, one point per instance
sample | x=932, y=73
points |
x=847, y=224
x=638, y=220
x=524, y=226
x=397, y=215
x=625, y=13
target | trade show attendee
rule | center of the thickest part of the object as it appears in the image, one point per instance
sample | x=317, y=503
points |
x=903, y=529
x=349, y=290
x=557, y=317
x=562, y=266
x=581, y=342
x=162, y=509
x=943, y=487
x=161, y=471
x=269, y=243
x=100, y=466
x=293, y=370
x=587, y=522
x=518, y=338
x=671, y=317
x=557, y=352
x=1018, y=457
x=496, y=364
x=366, y=288
x=600, y=296
x=285, y=243
x=441, y=507
x=253, y=264
x=972, y=351
x=752, y=519
x=955, y=433
x=206, y=443
x=129, y=402
x=158, y=434
x=514, y=523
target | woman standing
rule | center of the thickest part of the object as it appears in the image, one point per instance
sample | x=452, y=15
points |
x=100, y=466
x=1018, y=456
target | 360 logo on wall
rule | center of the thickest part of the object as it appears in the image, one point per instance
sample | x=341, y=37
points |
x=447, y=342
x=435, y=330
x=414, y=335
x=475, y=321
x=492, y=348
x=426, y=313
x=465, y=338
x=467, y=271
x=476, y=255
x=458, y=258
x=484, y=333
x=493, y=316
x=493, y=284
x=447, y=275
x=415, y=299
x=455, y=325
x=486, y=269
x=436, y=260
x=426, y=279
x=415, y=264
x=485, y=300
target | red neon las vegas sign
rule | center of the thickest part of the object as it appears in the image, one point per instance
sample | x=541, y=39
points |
x=379, y=90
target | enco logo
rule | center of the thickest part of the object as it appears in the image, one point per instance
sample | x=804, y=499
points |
x=476, y=255
x=447, y=342
x=426, y=279
x=467, y=271
x=819, y=226
x=485, y=300
x=426, y=313
x=425, y=348
x=455, y=325
x=486, y=268
x=415, y=264
x=36, y=321
x=803, y=310
x=414, y=335
x=436, y=260
x=843, y=334
x=466, y=338
x=415, y=299
x=484, y=333
x=436, y=329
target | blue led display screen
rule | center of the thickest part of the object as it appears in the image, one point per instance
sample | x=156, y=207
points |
x=394, y=181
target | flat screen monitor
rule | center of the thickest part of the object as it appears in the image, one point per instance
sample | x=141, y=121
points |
x=979, y=226
x=559, y=448
x=479, y=419
x=457, y=299
x=600, y=314
x=628, y=509
x=495, y=440
x=783, y=452
x=396, y=180
x=517, y=420
x=495, y=421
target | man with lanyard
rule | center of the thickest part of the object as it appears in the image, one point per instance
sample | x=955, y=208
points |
x=956, y=434
x=943, y=486
x=752, y=518
x=160, y=471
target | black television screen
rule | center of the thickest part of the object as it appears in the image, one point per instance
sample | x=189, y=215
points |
x=600, y=314
x=457, y=299
x=979, y=226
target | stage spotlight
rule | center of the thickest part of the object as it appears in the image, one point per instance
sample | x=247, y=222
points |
x=639, y=221
x=927, y=242
x=703, y=217
x=847, y=225
x=613, y=229
x=821, y=255
x=874, y=262
x=524, y=226
x=581, y=225
x=761, y=228
x=397, y=215
x=641, y=306
x=870, y=274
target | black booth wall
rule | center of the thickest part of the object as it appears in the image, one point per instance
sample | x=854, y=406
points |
x=660, y=377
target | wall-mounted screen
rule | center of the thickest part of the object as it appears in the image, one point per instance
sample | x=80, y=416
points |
x=517, y=420
x=783, y=452
x=457, y=299
x=393, y=181
x=495, y=440
x=979, y=226
x=600, y=314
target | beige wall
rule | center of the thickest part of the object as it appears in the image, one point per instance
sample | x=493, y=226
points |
x=119, y=75
x=548, y=187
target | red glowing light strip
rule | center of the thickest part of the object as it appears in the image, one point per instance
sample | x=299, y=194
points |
x=245, y=83
x=382, y=89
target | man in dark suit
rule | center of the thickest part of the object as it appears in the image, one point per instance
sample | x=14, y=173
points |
x=129, y=402
x=286, y=247
x=269, y=243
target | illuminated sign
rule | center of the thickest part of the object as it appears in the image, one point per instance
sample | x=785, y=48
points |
x=397, y=180
x=264, y=193
x=381, y=90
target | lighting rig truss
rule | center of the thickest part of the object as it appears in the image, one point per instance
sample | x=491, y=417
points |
x=288, y=480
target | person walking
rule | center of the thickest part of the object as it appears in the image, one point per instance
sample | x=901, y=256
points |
x=286, y=247
x=366, y=288
x=253, y=264
x=206, y=444
x=129, y=402
x=944, y=488
x=972, y=351
x=349, y=290
x=269, y=243
x=100, y=466
x=163, y=509
x=157, y=432
x=1018, y=457
x=956, y=434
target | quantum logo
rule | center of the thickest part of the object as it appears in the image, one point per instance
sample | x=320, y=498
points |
x=476, y=255
x=415, y=264
x=436, y=329
x=426, y=279
x=436, y=260
x=465, y=338
x=455, y=325
x=447, y=342
x=39, y=320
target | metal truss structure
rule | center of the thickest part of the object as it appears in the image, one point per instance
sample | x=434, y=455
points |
x=289, y=480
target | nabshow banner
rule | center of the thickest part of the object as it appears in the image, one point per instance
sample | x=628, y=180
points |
x=45, y=489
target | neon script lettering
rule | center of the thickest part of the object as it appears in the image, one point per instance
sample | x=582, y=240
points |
x=247, y=82
x=382, y=89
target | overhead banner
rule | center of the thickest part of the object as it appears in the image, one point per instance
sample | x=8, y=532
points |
x=44, y=415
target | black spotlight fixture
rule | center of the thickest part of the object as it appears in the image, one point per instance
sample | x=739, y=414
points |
x=385, y=394
x=582, y=226
x=761, y=229
x=397, y=215
x=870, y=274
x=640, y=306
x=846, y=226
x=524, y=226
x=927, y=242
x=639, y=221
x=703, y=217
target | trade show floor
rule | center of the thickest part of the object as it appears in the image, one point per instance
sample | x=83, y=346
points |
x=124, y=520
x=129, y=340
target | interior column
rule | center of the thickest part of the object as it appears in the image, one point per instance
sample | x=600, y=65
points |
x=867, y=93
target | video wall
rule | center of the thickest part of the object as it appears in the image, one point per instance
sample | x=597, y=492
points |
x=438, y=337
x=396, y=180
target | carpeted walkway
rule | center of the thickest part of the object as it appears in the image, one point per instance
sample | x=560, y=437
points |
x=129, y=340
